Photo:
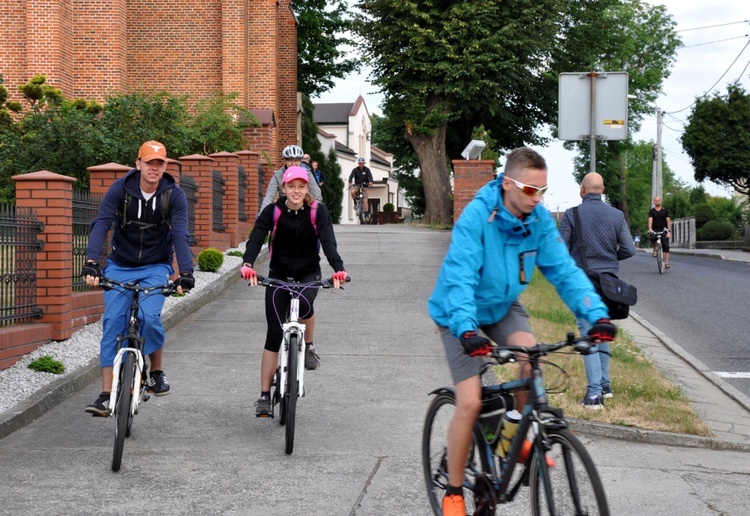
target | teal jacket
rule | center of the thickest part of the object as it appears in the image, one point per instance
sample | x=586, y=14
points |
x=491, y=260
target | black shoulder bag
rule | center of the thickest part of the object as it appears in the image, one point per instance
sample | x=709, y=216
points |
x=615, y=293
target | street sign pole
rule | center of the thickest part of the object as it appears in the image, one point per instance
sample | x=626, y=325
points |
x=592, y=122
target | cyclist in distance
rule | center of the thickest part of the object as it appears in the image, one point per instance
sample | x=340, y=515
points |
x=500, y=237
x=145, y=237
x=360, y=175
x=658, y=220
x=292, y=155
x=295, y=229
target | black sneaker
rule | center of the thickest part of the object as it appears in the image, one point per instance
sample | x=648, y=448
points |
x=595, y=403
x=607, y=392
x=100, y=406
x=157, y=384
x=263, y=407
x=312, y=360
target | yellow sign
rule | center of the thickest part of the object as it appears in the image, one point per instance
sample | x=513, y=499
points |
x=614, y=122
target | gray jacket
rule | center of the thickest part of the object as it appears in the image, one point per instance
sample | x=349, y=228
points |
x=274, y=188
x=606, y=236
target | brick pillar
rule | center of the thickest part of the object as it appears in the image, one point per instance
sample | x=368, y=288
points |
x=199, y=168
x=227, y=163
x=468, y=177
x=51, y=196
x=101, y=177
x=249, y=160
x=174, y=168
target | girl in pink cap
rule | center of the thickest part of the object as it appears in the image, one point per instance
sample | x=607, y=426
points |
x=296, y=223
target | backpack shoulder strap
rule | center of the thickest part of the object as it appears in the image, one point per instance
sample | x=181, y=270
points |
x=314, y=215
x=165, y=201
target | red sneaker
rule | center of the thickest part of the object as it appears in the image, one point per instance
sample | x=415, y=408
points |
x=453, y=505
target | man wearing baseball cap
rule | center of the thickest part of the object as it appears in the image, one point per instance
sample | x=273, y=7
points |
x=149, y=215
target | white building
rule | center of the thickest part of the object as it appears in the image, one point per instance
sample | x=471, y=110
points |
x=346, y=128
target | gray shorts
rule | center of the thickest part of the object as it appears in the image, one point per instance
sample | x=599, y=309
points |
x=462, y=365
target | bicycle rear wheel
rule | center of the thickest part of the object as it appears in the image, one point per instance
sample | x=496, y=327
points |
x=660, y=259
x=291, y=393
x=122, y=408
x=477, y=491
x=574, y=484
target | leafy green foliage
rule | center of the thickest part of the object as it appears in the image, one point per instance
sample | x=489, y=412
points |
x=447, y=67
x=67, y=136
x=321, y=36
x=210, y=259
x=47, y=364
x=716, y=230
x=388, y=207
x=235, y=253
x=717, y=139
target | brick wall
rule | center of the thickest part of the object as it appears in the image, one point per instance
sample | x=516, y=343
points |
x=92, y=49
x=468, y=177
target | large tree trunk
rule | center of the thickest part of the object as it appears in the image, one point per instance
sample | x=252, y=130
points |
x=430, y=149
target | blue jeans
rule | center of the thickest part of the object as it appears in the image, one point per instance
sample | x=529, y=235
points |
x=596, y=364
x=117, y=303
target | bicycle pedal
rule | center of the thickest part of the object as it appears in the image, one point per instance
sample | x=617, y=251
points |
x=264, y=416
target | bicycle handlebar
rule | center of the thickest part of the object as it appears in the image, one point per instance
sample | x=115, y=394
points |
x=296, y=285
x=662, y=232
x=504, y=354
x=166, y=290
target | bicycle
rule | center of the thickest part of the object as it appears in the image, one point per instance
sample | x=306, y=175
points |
x=659, y=249
x=288, y=383
x=129, y=370
x=363, y=213
x=570, y=486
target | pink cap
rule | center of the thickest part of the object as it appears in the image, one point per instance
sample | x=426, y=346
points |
x=293, y=173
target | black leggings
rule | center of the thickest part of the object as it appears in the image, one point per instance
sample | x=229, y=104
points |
x=277, y=308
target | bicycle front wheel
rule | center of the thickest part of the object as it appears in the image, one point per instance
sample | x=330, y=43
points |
x=572, y=485
x=477, y=492
x=122, y=408
x=660, y=259
x=291, y=393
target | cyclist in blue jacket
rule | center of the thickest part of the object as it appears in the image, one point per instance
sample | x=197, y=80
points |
x=500, y=237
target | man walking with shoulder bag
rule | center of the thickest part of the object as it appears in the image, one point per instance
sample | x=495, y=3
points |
x=604, y=239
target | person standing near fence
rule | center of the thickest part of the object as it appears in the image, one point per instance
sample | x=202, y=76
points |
x=150, y=215
x=606, y=240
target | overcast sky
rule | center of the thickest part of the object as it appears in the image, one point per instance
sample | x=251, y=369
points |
x=708, y=54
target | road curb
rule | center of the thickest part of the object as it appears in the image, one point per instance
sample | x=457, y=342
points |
x=696, y=364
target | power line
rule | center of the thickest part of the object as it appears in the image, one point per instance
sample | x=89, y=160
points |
x=717, y=81
x=712, y=42
x=712, y=26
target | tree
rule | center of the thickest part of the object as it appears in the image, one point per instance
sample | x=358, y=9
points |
x=457, y=64
x=717, y=139
x=320, y=40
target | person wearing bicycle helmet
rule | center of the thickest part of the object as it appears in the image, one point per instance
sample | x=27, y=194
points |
x=296, y=223
x=501, y=237
x=145, y=238
x=292, y=155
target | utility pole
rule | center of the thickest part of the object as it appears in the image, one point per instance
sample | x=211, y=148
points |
x=656, y=177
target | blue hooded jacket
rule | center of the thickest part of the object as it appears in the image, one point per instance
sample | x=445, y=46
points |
x=491, y=260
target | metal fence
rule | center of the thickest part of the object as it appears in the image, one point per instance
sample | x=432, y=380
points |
x=19, y=246
x=85, y=209
x=242, y=186
x=187, y=183
x=218, y=205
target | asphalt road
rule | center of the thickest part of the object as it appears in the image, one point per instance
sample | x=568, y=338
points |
x=702, y=304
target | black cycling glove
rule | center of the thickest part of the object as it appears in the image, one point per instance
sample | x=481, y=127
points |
x=476, y=345
x=603, y=330
x=186, y=281
x=91, y=269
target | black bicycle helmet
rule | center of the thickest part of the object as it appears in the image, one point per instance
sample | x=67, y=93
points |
x=292, y=152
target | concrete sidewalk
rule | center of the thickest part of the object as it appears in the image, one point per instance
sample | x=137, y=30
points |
x=357, y=452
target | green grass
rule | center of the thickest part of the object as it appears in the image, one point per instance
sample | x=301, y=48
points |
x=644, y=398
x=47, y=364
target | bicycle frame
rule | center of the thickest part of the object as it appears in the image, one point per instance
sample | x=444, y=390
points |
x=132, y=336
x=291, y=328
